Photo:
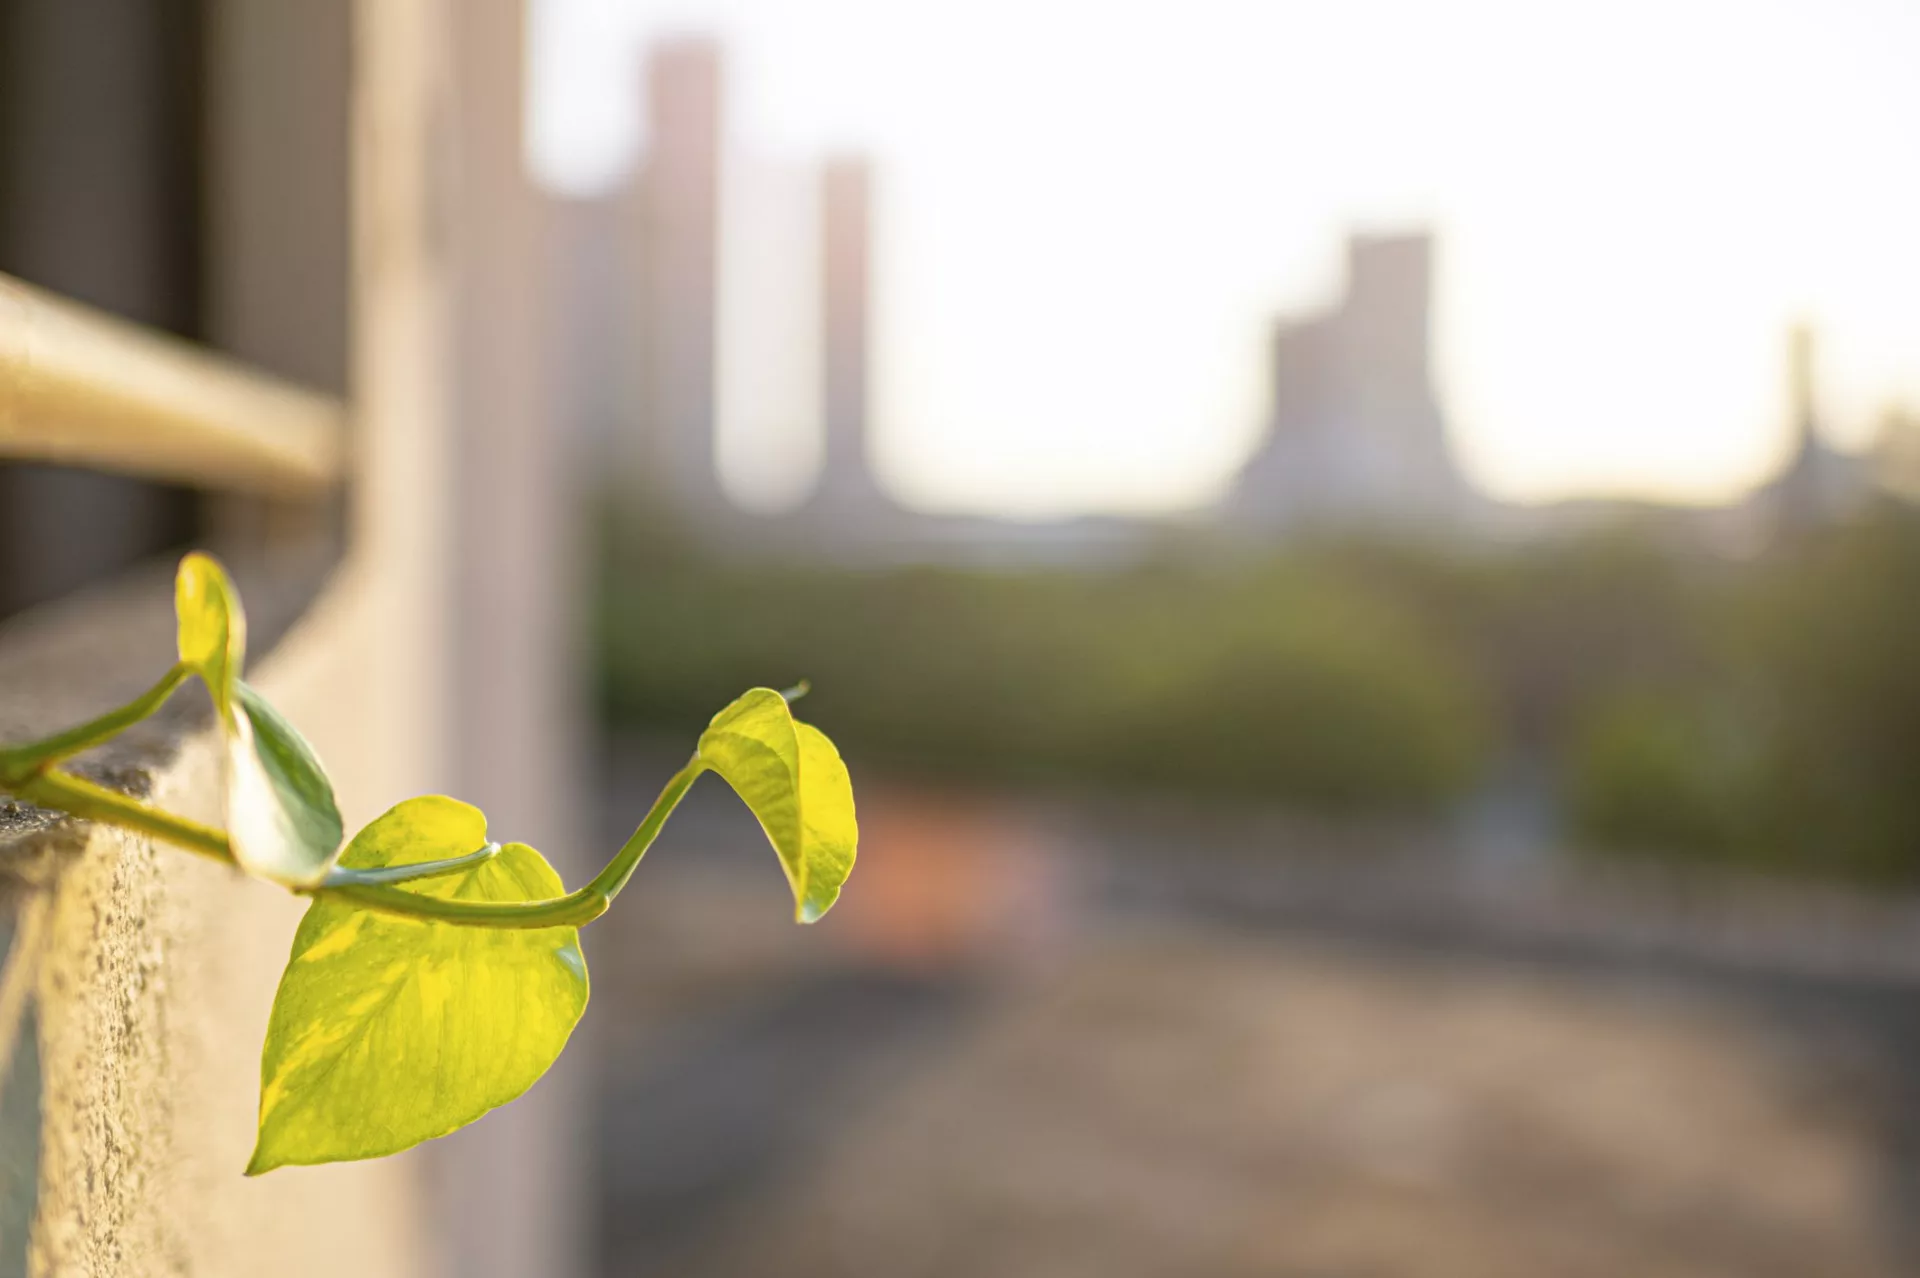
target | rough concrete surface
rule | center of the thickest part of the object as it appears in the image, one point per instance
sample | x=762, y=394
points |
x=153, y=976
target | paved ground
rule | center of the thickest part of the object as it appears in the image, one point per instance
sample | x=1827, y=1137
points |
x=1140, y=1093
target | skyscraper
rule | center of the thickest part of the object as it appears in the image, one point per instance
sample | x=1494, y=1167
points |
x=847, y=490
x=675, y=285
x=1818, y=484
x=1355, y=433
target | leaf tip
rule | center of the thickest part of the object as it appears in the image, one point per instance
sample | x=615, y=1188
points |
x=201, y=581
x=811, y=909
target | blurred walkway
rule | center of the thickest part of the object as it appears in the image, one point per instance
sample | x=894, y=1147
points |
x=1084, y=1080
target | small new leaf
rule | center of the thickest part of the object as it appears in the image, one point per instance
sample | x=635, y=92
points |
x=282, y=822
x=794, y=781
x=280, y=805
x=388, y=1031
x=213, y=627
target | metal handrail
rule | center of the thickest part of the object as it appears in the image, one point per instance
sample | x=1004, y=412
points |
x=86, y=389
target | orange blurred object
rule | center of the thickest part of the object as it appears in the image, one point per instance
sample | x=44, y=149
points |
x=946, y=880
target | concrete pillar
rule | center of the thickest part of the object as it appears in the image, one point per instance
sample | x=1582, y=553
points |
x=400, y=527
x=514, y=1184
x=846, y=253
x=676, y=246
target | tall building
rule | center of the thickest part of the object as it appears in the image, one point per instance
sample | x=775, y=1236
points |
x=1356, y=435
x=847, y=491
x=1819, y=483
x=675, y=285
x=588, y=298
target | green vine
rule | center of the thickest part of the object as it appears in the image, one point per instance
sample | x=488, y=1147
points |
x=437, y=973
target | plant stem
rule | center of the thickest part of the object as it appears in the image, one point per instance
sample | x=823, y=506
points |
x=572, y=910
x=614, y=877
x=19, y=763
x=82, y=798
x=52, y=788
x=341, y=876
x=372, y=889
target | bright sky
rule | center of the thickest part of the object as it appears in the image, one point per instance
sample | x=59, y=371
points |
x=1091, y=212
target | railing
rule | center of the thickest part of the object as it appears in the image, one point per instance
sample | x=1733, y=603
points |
x=82, y=388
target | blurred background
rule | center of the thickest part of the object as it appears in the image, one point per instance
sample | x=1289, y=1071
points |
x=1364, y=560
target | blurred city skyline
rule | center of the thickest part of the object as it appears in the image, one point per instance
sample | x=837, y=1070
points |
x=1088, y=222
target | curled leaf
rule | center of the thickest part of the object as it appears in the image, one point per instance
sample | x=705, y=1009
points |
x=793, y=779
x=282, y=821
x=390, y=1031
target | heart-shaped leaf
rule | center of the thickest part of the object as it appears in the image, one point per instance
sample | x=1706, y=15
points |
x=390, y=1031
x=792, y=778
x=282, y=821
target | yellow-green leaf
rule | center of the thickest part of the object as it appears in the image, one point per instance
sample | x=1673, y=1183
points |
x=390, y=1031
x=832, y=833
x=212, y=627
x=792, y=778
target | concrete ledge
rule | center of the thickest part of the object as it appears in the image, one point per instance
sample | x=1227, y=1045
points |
x=146, y=973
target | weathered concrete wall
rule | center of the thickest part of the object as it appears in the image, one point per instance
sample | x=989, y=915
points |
x=154, y=972
x=155, y=979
